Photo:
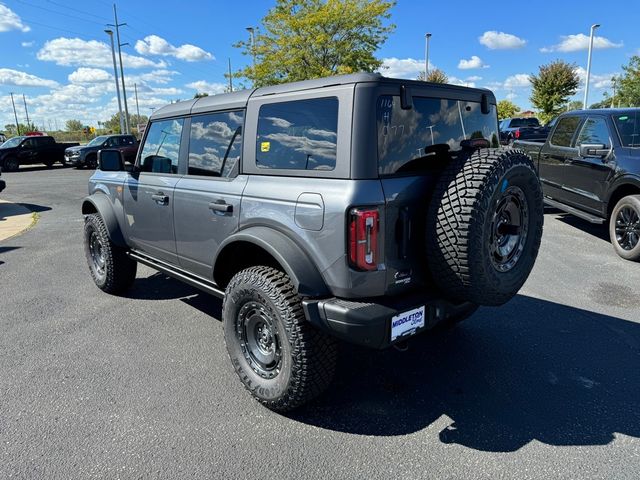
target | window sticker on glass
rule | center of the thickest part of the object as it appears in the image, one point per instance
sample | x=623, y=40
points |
x=265, y=146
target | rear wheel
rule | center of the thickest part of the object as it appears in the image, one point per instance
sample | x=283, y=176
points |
x=112, y=270
x=624, y=228
x=484, y=226
x=92, y=162
x=280, y=358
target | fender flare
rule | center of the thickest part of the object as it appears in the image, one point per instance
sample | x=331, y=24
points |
x=296, y=263
x=101, y=204
x=622, y=181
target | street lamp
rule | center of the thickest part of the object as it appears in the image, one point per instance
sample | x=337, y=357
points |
x=115, y=73
x=586, y=86
x=427, y=37
x=251, y=31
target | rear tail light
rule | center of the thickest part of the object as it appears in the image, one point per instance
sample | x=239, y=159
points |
x=363, y=238
x=517, y=133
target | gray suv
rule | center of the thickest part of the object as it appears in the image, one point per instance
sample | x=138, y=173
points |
x=354, y=208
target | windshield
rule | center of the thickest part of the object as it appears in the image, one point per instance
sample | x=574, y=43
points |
x=97, y=141
x=12, y=142
x=403, y=135
x=628, y=126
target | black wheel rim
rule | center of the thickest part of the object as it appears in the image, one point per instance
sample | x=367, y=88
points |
x=259, y=340
x=96, y=252
x=509, y=227
x=627, y=228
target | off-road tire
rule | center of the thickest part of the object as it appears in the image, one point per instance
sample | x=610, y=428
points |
x=49, y=163
x=460, y=222
x=631, y=204
x=11, y=164
x=308, y=356
x=119, y=270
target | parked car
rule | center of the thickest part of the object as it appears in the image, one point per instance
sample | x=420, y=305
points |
x=590, y=167
x=353, y=207
x=87, y=155
x=30, y=150
x=526, y=128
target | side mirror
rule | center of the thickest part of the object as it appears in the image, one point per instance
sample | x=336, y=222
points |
x=110, y=161
x=593, y=150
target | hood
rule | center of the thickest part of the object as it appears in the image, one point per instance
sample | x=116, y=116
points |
x=79, y=148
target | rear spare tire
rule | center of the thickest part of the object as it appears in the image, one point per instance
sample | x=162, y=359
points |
x=484, y=226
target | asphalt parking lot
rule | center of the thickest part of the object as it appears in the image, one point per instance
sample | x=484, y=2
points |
x=92, y=385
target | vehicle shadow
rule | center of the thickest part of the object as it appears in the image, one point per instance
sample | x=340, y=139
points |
x=599, y=231
x=530, y=370
x=5, y=250
x=10, y=209
x=39, y=167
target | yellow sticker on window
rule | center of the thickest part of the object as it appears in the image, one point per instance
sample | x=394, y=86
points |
x=265, y=146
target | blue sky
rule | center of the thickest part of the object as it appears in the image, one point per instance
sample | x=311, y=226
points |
x=56, y=53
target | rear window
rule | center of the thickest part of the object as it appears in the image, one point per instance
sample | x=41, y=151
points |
x=628, y=126
x=298, y=135
x=403, y=135
x=524, y=122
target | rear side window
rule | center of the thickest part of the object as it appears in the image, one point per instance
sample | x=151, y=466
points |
x=128, y=140
x=162, y=147
x=298, y=135
x=628, y=126
x=215, y=143
x=594, y=130
x=409, y=139
x=564, y=132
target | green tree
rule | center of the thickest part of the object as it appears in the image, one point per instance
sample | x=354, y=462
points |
x=200, y=95
x=629, y=83
x=555, y=83
x=10, y=128
x=435, y=75
x=113, y=124
x=507, y=109
x=73, y=125
x=576, y=105
x=303, y=39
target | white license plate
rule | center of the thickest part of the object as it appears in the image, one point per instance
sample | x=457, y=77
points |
x=407, y=323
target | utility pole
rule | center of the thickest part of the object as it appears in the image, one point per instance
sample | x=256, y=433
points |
x=427, y=38
x=15, y=114
x=251, y=31
x=115, y=74
x=135, y=88
x=586, y=85
x=613, y=99
x=120, y=45
x=230, y=77
x=26, y=112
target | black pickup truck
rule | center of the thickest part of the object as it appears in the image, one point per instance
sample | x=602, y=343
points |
x=527, y=128
x=589, y=166
x=28, y=150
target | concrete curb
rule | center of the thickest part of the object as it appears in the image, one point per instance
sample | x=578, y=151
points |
x=14, y=219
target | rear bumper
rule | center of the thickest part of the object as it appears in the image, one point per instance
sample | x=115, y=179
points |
x=368, y=323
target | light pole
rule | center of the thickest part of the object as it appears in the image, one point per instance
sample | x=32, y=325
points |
x=251, y=31
x=115, y=73
x=427, y=37
x=613, y=99
x=124, y=90
x=586, y=86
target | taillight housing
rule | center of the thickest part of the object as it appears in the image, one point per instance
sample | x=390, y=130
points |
x=364, y=226
x=517, y=133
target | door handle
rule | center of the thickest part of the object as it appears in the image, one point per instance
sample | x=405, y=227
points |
x=221, y=206
x=160, y=198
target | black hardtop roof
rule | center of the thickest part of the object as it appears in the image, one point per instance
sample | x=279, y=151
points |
x=605, y=111
x=240, y=98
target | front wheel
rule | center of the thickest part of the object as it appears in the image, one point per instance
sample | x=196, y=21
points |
x=624, y=228
x=11, y=164
x=280, y=358
x=111, y=269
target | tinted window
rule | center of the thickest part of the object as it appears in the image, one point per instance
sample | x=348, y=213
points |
x=525, y=122
x=594, y=130
x=162, y=147
x=298, y=135
x=564, y=132
x=127, y=140
x=112, y=142
x=406, y=138
x=628, y=126
x=215, y=143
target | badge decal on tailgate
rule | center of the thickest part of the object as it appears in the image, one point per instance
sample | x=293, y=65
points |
x=407, y=323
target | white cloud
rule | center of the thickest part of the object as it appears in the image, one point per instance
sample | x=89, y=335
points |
x=203, y=86
x=599, y=81
x=580, y=41
x=155, y=45
x=162, y=76
x=23, y=79
x=402, y=67
x=88, y=53
x=519, y=80
x=474, y=78
x=28, y=44
x=459, y=81
x=90, y=75
x=9, y=20
x=473, y=62
x=501, y=41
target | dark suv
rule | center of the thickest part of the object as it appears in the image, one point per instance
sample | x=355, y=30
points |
x=87, y=155
x=354, y=207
